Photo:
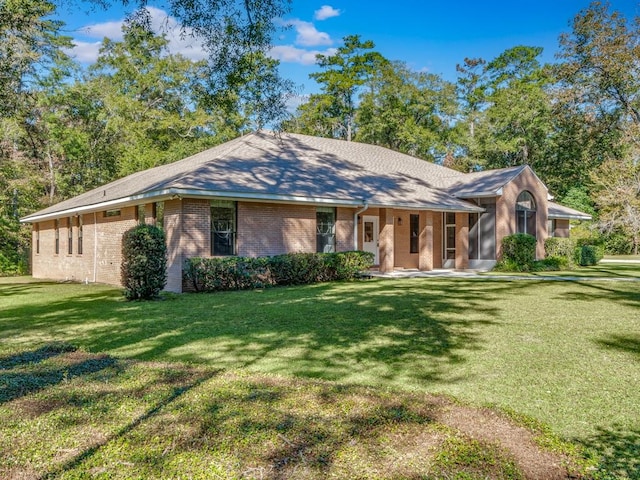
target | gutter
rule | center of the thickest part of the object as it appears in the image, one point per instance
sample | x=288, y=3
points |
x=364, y=208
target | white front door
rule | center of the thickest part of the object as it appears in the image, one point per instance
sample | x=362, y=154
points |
x=370, y=230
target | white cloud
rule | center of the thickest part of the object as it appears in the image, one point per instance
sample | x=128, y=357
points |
x=307, y=35
x=180, y=40
x=326, y=11
x=291, y=54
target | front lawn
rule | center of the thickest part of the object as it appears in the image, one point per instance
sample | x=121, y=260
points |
x=564, y=353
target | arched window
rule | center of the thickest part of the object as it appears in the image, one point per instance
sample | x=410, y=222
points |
x=526, y=214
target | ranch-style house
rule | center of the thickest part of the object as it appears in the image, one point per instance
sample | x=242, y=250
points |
x=266, y=194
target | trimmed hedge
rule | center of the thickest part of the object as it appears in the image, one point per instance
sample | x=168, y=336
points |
x=561, y=249
x=144, y=262
x=518, y=253
x=242, y=273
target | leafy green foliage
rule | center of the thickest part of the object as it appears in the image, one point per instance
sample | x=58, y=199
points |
x=144, y=262
x=518, y=252
x=240, y=273
x=561, y=249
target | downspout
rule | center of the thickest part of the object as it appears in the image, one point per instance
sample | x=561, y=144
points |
x=95, y=247
x=355, y=224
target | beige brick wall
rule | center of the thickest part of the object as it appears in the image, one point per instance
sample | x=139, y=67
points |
x=506, y=210
x=99, y=261
x=562, y=228
x=402, y=229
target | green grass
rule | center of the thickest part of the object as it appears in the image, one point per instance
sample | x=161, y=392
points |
x=563, y=353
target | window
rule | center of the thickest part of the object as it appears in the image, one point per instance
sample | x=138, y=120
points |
x=141, y=213
x=80, y=235
x=56, y=227
x=158, y=214
x=551, y=228
x=414, y=232
x=449, y=236
x=70, y=235
x=474, y=235
x=223, y=227
x=526, y=214
x=112, y=213
x=325, y=229
x=37, y=238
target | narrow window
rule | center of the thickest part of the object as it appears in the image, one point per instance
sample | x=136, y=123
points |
x=325, y=229
x=112, y=213
x=79, y=234
x=449, y=236
x=37, y=238
x=414, y=231
x=158, y=214
x=70, y=235
x=56, y=226
x=474, y=235
x=551, y=228
x=526, y=214
x=140, y=213
x=223, y=227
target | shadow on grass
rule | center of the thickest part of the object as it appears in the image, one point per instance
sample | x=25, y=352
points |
x=618, y=450
x=19, y=384
x=381, y=329
x=34, y=356
x=622, y=343
x=176, y=393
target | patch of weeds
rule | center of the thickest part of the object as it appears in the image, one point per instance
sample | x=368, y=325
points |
x=464, y=458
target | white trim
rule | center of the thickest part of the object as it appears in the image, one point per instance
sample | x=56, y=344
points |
x=188, y=193
x=238, y=196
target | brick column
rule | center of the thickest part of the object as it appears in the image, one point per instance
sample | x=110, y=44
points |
x=425, y=260
x=462, y=241
x=173, y=233
x=386, y=240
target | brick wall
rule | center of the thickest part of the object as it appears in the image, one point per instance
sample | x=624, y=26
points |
x=402, y=230
x=506, y=209
x=561, y=228
x=99, y=261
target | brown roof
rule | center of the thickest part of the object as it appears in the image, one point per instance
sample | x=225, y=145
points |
x=560, y=211
x=286, y=167
x=300, y=168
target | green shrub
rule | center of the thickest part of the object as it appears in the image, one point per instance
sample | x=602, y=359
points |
x=228, y=273
x=299, y=268
x=556, y=248
x=552, y=264
x=586, y=255
x=518, y=251
x=144, y=262
x=241, y=273
x=347, y=265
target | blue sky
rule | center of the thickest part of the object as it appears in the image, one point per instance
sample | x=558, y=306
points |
x=429, y=35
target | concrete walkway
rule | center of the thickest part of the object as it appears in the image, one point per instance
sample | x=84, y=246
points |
x=474, y=274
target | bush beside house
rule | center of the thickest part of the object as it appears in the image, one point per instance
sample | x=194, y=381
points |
x=242, y=273
x=144, y=262
x=518, y=254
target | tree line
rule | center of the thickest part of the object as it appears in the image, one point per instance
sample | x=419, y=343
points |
x=65, y=128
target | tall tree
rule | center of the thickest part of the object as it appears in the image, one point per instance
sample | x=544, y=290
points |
x=149, y=100
x=342, y=77
x=518, y=119
x=601, y=61
x=235, y=34
x=407, y=111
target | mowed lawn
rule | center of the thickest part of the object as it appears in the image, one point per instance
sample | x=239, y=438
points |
x=566, y=353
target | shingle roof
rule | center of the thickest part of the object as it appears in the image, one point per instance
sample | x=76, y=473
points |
x=286, y=167
x=484, y=183
x=556, y=210
x=301, y=168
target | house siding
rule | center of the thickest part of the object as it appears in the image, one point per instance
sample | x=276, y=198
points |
x=101, y=256
x=506, y=208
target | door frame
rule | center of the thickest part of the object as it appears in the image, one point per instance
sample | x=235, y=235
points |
x=374, y=245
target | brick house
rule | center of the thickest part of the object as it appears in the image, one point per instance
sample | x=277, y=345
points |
x=265, y=194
